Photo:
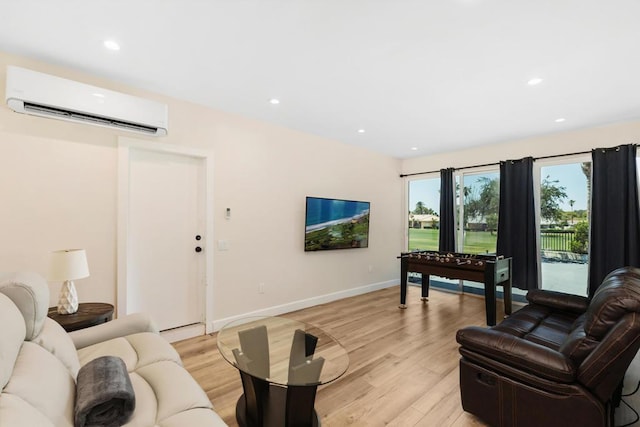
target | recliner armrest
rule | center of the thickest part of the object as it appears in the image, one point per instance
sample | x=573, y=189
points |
x=521, y=354
x=120, y=327
x=558, y=300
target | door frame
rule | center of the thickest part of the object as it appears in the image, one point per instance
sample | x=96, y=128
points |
x=125, y=145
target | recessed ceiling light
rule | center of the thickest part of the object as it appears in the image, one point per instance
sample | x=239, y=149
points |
x=414, y=148
x=534, y=81
x=274, y=101
x=360, y=130
x=560, y=120
x=111, y=45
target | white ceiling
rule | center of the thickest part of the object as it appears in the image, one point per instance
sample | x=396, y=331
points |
x=438, y=75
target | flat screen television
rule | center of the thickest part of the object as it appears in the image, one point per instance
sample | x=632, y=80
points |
x=336, y=224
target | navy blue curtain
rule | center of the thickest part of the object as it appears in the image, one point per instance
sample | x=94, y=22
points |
x=516, y=222
x=447, y=242
x=615, y=221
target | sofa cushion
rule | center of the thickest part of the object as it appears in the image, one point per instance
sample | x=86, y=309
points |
x=578, y=345
x=120, y=327
x=617, y=296
x=16, y=412
x=164, y=389
x=30, y=293
x=539, y=324
x=43, y=382
x=528, y=318
x=193, y=417
x=558, y=301
x=135, y=350
x=146, y=409
x=56, y=341
x=12, y=333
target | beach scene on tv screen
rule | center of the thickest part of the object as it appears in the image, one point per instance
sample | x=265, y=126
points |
x=336, y=224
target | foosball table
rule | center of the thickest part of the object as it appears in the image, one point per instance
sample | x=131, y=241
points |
x=490, y=270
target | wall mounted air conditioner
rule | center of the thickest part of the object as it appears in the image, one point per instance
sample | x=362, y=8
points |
x=40, y=94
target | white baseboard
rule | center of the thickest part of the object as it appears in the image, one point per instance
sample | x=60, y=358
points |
x=179, y=334
x=309, y=302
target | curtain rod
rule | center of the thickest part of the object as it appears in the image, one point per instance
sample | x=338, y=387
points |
x=497, y=163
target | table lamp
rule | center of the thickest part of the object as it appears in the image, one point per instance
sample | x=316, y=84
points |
x=66, y=266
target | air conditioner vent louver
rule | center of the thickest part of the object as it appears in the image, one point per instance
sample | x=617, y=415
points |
x=39, y=94
x=65, y=114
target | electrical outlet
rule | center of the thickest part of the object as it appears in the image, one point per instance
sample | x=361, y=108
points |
x=261, y=288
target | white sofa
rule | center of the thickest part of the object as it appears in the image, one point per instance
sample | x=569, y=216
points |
x=39, y=363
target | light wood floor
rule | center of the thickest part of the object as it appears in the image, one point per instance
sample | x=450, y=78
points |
x=403, y=363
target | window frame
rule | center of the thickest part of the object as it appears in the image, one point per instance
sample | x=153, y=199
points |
x=537, y=178
x=407, y=196
x=459, y=177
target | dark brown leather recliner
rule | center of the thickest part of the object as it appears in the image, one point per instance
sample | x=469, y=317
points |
x=559, y=361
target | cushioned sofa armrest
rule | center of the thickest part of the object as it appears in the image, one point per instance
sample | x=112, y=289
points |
x=558, y=300
x=120, y=327
x=521, y=354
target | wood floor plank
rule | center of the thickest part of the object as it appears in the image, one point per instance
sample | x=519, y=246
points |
x=441, y=391
x=403, y=367
x=408, y=418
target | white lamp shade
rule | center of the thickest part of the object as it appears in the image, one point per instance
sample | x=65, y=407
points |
x=68, y=264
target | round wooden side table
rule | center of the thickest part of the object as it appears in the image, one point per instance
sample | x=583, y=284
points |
x=88, y=314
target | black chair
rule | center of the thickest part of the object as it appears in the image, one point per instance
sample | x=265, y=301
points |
x=559, y=361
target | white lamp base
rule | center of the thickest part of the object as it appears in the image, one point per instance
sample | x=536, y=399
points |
x=68, y=301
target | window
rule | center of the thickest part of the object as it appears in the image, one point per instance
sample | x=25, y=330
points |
x=478, y=218
x=479, y=213
x=564, y=226
x=481, y=193
x=563, y=216
x=424, y=217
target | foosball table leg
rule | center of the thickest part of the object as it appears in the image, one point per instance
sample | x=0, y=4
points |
x=424, y=299
x=402, y=306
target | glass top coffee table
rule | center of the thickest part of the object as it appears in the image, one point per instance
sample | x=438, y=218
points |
x=281, y=363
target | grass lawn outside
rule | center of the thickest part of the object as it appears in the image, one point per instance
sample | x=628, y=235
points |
x=475, y=242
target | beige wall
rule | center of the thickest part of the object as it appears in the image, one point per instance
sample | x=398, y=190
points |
x=558, y=143
x=58, y=190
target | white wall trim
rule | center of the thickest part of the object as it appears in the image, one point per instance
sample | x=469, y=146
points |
x=183, y=333
x=305, y=303
x=124, y=148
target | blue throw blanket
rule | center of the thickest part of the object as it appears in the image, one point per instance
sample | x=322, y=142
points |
x=104, y=394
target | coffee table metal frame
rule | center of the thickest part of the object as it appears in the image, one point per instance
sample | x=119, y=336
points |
x=281, y=364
